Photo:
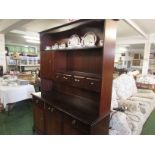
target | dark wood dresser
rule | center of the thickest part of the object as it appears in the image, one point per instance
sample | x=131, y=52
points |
x=76, y=83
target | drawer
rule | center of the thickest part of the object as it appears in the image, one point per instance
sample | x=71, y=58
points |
x=73, y=126
x=65, y=78
x=78, y=81
x=93, y=84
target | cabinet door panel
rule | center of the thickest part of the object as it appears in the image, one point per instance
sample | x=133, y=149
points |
x=47, y=63
x=52, y=121
x=38, y=115
x=74, y=127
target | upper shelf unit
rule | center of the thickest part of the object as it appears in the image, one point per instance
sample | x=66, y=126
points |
x=74, y=36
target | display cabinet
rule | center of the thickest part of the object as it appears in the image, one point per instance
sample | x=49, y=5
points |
x=77, y=62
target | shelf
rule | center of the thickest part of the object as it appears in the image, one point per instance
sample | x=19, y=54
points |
x=80, y=108
x=72, y=49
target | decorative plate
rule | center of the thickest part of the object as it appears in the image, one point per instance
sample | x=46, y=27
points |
x=62, y=45
x=74, y=41
x=55, y=46
x=89, y=39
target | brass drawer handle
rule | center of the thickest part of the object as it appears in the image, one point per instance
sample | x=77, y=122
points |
x=52, y=109
x=92, y=83
x=76, y=80
x=73, y=122
x=65, y=78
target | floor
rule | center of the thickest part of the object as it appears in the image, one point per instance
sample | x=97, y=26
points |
x=149, y=126
x=20, y=121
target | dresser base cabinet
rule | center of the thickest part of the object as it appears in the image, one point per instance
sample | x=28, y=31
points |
x=51, y=120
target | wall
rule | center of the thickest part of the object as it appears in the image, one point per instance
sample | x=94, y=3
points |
x=2, y=52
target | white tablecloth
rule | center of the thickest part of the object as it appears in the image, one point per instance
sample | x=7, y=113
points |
x=11, y=94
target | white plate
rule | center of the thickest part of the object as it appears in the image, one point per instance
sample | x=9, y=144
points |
x=89, y=39
x=62, y=45
x=74, y=41
x=55, y=46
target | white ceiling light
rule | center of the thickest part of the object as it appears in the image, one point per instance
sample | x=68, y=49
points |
x=33, y=41
x=25, y=33
x=32, y=38
x=123, y=49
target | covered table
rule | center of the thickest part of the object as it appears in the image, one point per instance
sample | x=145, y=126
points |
x=12, y=94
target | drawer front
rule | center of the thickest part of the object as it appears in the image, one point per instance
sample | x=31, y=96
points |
x=78, y=81
x=72, y=126
x=93, y=84
x=64, y=78
x=67, y=79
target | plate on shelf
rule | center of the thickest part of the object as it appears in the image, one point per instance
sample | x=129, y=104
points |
x=74, y=41
x=89, y=39
x=55, y=46
x=47, y=48
x=62, y=45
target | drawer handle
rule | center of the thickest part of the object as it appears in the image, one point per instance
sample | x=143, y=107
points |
x=65, y=78
x=76, y=80
x=49, y=108
x=52, y=109
x=73, y=122
x=92, y=83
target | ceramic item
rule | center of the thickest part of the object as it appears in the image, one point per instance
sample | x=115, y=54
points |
x=74, y=41
x=89, y=39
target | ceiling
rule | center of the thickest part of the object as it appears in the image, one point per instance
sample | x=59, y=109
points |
x=125, y=30
x=15, y=29
x=147, y=25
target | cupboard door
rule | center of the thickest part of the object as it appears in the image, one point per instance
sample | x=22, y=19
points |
x=38, y=116
x=47, y=64
x=74, y=127
x=52, y=121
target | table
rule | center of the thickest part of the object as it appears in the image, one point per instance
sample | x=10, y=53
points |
x=12, y=94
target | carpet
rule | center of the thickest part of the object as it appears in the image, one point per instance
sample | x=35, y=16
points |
x=149, y=126
x=20, y=120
